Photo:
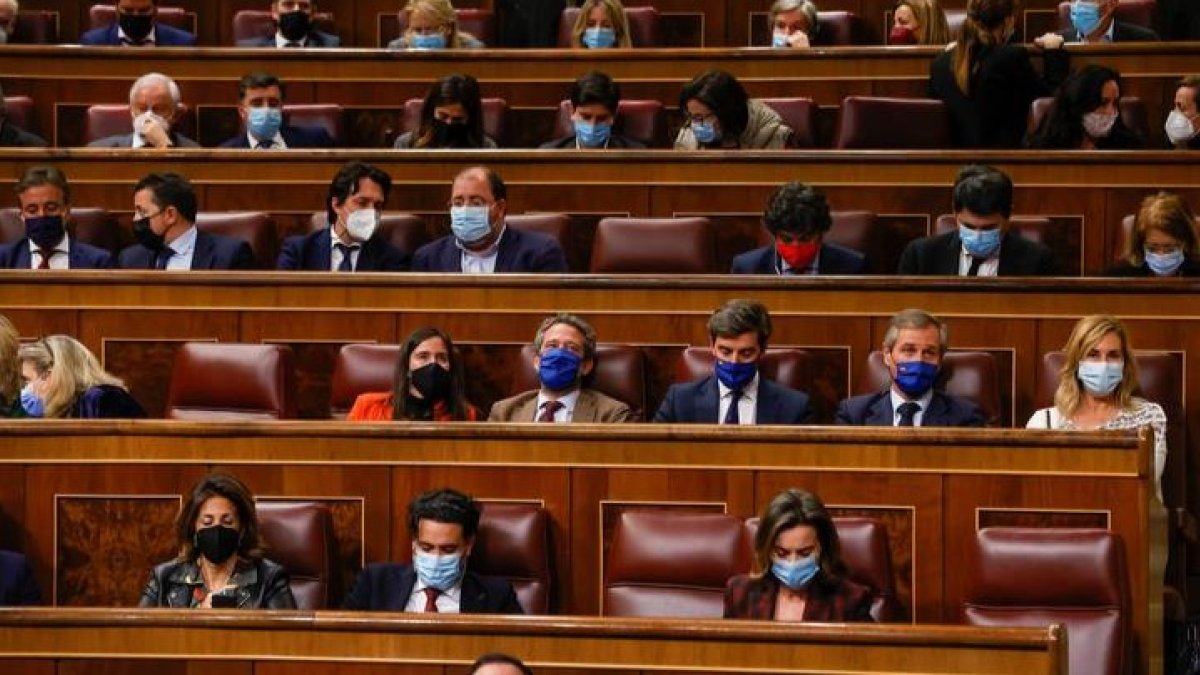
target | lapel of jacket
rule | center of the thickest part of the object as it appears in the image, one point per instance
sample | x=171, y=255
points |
x=406, y=579
x=936, y=414
x=368, y=256
x=585, y=407
x=880, y=413
x=181, y=581
x=319, y=256
x=24, y=258
x=708, y=401
x=474, y=596
x=1010, y=255
x=451, y=257
x=202, y=255
x=948, y=256
x=247, y=582
x=766, y=410
x=509, y=244
x=526, y=411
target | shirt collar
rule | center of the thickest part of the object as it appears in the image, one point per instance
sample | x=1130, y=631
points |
x=282, y=42
x=491, y=250
x=277, y=142
x=335, y=241
x=185, y=243
x=750, y=391
x=899, y=400
x=568, y=401
x=150, y=39
x=454, y=592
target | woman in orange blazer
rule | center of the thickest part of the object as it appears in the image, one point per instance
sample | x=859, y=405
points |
x=429, y=385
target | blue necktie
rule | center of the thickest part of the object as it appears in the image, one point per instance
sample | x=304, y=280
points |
x=163, y=257
x=347, y=264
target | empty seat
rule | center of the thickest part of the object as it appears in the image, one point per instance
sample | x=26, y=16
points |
x=327, y=116
x=799, y=113
x=478, y=22
x=672, y=563
x=1039, y=576
x=620, y=372
x=965, y=374
x=788, y=366
x=640, y=119
x=249, y=24
x=495, y=118
x=405, y=231
x=253, y=227
x=35, y=27
x=513, y=543
x=300, y=536
x=18, y=111
x=654, y=246
x=358, y=369
x=105, y=119
x=872, y=122
x=837, y=28
x=230, y=382
x=1132, y=108
x=1140, y=12
x=553, y=225
x=176, y=17
x=643, y=26
x=92, y=226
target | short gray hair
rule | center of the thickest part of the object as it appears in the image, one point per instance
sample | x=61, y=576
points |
x=151, y=79
x=915, y=318
x=806, y=7
x=574, y=321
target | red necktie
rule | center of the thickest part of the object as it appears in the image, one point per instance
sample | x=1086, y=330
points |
x=548, y=410
x=45, y=253
x=431, y=594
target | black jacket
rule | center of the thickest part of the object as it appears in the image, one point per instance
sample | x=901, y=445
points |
x=939, y=256
x=15, y=137
x=1190, y=268
x=386, y=587
x=1122, y=32
x=260, y=585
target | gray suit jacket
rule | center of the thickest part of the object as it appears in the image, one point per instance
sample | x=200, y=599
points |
x=592, y=406
x=126, y=141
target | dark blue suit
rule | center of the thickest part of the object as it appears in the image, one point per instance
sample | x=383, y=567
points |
x=294, y=137
x=699, y=402
x=833, y=259
x=164, y=36
x=17, y=585
x=312, y=252
x=386, y=587
x=520, y=252
x=16, y=256
x=105, y=401
x=212, y=252
x=875, y=410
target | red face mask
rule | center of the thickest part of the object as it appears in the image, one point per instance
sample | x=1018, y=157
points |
x=901, y=35
x=798, y=254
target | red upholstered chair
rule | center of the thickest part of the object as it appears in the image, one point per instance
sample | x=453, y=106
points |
x=654, y=246
x=672, y=563
x=358, y=369
x=873, y=122
x=642, y=120
x=1039, y=576
x=495, y=118
x=787, y=366
x=513, y=543
x=35, y=27
x=405, y=231
x=554, y=225
x=106, y=119
x=478, y=22
x=800, y=114
x=19, y=112
x=966, y=374
x=299, y=536
x=253, y=227
x=255, y=23
x=221, y=381
x=620, y=372
x=327, y=116
x=176, y=17
x=1133, y=114
x=837, y=28
x=643, y=26
x=1140, y=12
x=1036, y=229
x=92, y=226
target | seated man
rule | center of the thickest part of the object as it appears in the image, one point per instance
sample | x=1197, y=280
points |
x=156, y=105
x=44, y=198
x=983, y=245
x=565, y=354
x=736, y=393
x=164, y=211
x=798, y=217
x=12, y=136
x=260, y=106
x=351, y=243
x=1183, y=124
x=18, y=588
x=594, y=100
x=913, y=348
x=1094, y=21
x=480, y=243
x=293, y=27
x=443, y=524
x=135, y=27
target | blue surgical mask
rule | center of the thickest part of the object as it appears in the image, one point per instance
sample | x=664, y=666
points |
x=438, y=571
x=796, y=575
x=735, y=375
x=592, y=135
x=599, y=38
x=980, y=243
x=705, y=132
x=914, y=378
x=779, y=40
x=1085, y=17
x=427, y=41
x=469, y=223
x=1164, y=264
x=32, y=403
x=558, y=369
x=1100, y=378
x=264, y=122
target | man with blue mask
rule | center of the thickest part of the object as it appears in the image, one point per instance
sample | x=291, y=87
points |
x=594, y=101
x=564, y=355
x=736, y=392
x=1095, y=21
x=479, y=242
x=295, y=27
x=260, y=107
x=982, y=245
x=913, y=349
x=443, y=524
x=44, y=200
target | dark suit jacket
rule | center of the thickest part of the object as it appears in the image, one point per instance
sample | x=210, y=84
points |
x=17, y=585
x=16, y=137
x=1122, y=32
x=164, y=36
x=1190, y=268
x=386, y=587
x=830, y=599
x=316, y=39
x=260, y=585
x=105, y=401
x=833, y=259
x=294, y=137
x=875, y=410
x=212, y=252
x=16, y=256
x=519, y=252
x=939, y=255
x=615, y=142
x=312, y=252
x=699, y=403
x=126, y=141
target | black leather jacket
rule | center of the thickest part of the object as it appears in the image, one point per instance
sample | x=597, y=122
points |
x=260, y=585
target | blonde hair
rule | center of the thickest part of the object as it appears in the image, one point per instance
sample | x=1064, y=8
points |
x=1088, y=332
x=931, y=19
x=72, y=368
x=10, y=370
x=616, y=14
x=1169, y=214
x=442, y=12
x=977, y=33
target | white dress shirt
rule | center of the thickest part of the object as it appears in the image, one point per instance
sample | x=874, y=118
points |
x=60, y=259
x=184, y=247
x=747, y=404
x=276, y=143
x=335, y=253
x=564, y=414
x=898, y=400
x=282, y=42
x=483, y=262
x=448, y=602
x=149, y=41
x=989, y=268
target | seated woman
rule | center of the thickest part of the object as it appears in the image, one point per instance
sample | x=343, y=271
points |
x=63, y=379
x=10, y=370
x=429, y=385
x=432, y=24
x=793, y=23
x=601, y=24
x=799, y=574
x=721, y=116
x=1164, y=241
x=919, y=22
x=1086, y=115
x=451, y=117
x=220, y=561
x=1095, y=387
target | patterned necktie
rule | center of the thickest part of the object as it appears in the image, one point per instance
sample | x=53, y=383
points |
x=731, y=415
x=908, y=412
x=347, y=264
x=548, y=410
x=431, y=595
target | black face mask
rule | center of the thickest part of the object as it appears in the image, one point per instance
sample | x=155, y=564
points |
x=295, y=25
x=431, y=381
x=136, y=26
x=446, y=135
x=146, y=236
x=45, y=232
x=217, y=543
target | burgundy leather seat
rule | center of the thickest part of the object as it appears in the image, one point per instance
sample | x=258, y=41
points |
x=880, y=123
x=478, y=22
x=1132, y=108
x=799, y=113
x=18, y=110
x=110, y=119
x=1038, y=229
x=967, y=374
x=35, y=27
x=837, y=28
x=255, y=23
x=405, y=231
x=654, y=246
x=327, y=116
x=299, y=536
x=643, y=26
x=1039, y=576
x=92, y=226
x=230, y=382
x=672, y=563
x=253, y=227
x=495, y=118
x=620, y=372
x=176, y=17
x=358, y=369
x=639, y=119
x=788, y=366
x=554, y=225
x=513, y=543
x=1140, y=12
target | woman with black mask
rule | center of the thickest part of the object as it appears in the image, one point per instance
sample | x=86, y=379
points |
x=451, y=117
x=429, y=385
